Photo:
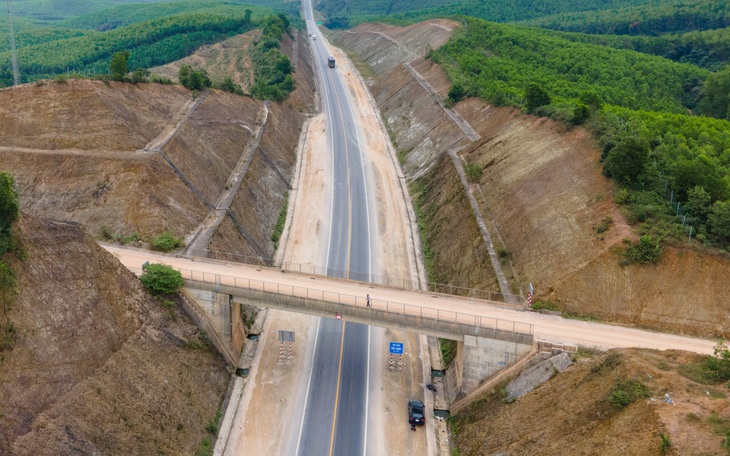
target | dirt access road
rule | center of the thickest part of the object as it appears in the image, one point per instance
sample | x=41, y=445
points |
x=269, y=416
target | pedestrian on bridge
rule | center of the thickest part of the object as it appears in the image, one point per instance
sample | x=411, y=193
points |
x=367, y=300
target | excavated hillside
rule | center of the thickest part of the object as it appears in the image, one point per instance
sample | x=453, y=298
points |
x=99, y=366
x=578, y=411
x=541, y=193
x=124, y=159
x=230, y=59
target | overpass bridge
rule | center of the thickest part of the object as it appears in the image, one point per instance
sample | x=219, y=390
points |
x=445, y=323
x=490, y=335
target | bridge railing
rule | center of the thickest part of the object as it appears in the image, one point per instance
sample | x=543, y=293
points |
x=380, y=279
x=407, y=311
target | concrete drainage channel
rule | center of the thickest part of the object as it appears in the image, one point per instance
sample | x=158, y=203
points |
x=250, y=345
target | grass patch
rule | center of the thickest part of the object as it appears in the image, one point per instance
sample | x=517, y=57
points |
x=448, y=350
x=473, y=172
x=503, y=253
x=608, y=364
x=419, y=194
x=365, y=70
x=279, y=228
x=712, y=370
x=575, y=316
x=585, y=352
x=604, y=225
x=206, y=445
x=544, y=304
x=198, y=342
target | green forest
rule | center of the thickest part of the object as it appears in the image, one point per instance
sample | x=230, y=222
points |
x=672, y=165
x=353, y=12
x=154, y=38
x=652, y=19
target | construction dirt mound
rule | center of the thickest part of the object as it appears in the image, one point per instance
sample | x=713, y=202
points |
x=99, y=366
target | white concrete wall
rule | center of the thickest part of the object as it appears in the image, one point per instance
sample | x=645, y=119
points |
x=482, y=358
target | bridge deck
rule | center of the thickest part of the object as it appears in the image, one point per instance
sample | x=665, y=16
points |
x=545, y=327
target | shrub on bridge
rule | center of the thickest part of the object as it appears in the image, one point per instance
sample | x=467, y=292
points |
x=161, y=279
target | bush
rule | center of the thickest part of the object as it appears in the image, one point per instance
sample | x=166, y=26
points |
x=717, y=365
x=645, y=250
x=161, y=279
x=193, y=79
x=624, y=393
x=166, y=241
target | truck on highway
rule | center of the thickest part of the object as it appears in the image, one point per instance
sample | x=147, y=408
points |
x=331, y=62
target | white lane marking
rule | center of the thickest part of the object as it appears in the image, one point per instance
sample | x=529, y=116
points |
x=367, y=399
x=309, y=382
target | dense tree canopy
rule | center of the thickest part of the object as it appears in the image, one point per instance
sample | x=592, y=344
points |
x=674, y=167
x=151, y=42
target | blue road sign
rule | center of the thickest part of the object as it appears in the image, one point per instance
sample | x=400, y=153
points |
x=396, y=348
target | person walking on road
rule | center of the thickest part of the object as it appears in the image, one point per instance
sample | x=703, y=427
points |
x=367, y=300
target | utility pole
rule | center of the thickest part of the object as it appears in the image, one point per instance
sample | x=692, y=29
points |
x=16, y=76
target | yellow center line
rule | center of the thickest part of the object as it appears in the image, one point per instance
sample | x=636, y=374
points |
x=337, y=393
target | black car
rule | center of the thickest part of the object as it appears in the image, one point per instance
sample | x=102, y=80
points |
x=415, y=412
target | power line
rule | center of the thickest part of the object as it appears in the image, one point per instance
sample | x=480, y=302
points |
x=16, y=76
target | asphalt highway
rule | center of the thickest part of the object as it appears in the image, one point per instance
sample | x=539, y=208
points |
x=334, y=419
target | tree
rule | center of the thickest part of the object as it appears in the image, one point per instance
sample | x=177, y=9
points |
x=716, y=94
x=193, y=79
x=161, y=279
x=719, y=221
x=626, y=161
x=456, y=92
x=698, y=203
x=9, y=209
x=581, y=113
x=118, y=65
x=536, y=96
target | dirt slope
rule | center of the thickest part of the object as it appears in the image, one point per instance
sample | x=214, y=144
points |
x=84, y=151
x=572, y=412
x=542, y=187
x=218, y=61
x=99, y=367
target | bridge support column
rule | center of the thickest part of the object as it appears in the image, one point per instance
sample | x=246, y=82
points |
x=223, y=316
x=479, y=358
